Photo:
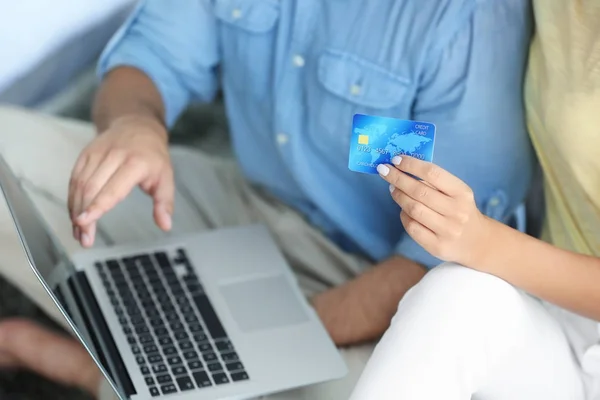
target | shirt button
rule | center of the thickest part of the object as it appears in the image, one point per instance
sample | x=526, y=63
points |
x=282, y=138
x=298, y=61
x=494, y=202
x=236, y=13
x=355, y=90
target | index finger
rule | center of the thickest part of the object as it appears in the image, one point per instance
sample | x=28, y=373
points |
x=115, y=190
x=432, y=174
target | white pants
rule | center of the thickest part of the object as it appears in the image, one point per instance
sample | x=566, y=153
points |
x=210, y=193
x=462, y=334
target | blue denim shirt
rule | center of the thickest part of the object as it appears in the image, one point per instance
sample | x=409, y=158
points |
x=294, y=72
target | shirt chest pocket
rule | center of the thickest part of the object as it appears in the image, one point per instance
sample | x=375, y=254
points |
x=247, y=41
x=349, y=85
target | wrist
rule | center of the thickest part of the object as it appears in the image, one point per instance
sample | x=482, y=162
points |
x=485, y=244
x=149, y=124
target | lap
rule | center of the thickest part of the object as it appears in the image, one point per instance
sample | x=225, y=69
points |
x=210, y=193
x=471, y=333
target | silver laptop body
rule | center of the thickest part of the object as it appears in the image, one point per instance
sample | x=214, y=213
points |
x=215, y=315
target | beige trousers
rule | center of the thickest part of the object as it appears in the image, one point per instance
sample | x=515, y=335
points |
x=211, y=193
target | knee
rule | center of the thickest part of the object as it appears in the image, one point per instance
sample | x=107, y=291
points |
x=462, y=295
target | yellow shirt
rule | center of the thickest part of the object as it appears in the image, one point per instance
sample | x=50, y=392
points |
x=562, y=95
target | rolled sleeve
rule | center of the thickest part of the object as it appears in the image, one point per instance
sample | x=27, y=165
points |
x=471, y=88
x=175, y=45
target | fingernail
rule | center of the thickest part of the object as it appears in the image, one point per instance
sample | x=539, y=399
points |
x=168, y=221
x=392, y=188
x=396, y=160
x=77, y=233
x=383, y=170
x=85, y=240
x=82, y=216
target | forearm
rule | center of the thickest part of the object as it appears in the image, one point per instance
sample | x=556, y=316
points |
x=564, y=278
x=365, y=306
x=124, y=92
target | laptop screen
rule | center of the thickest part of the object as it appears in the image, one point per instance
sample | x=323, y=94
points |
x=46, y=256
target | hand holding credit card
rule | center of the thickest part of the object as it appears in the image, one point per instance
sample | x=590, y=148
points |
x=376, y=140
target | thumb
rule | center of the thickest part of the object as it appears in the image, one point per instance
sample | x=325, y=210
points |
x=163, y=195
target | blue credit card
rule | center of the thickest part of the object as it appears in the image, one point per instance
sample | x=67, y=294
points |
x=375, y=140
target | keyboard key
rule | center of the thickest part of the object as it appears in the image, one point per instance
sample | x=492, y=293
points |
x=163, y=299
x=149, y=381
x=168, y=389
x=215, y=367
x=239, y=376
x=113, y=265
x=202, y=379
x=150, y=348
x=181, y=336
x=179, y=370
x=123, y=320
x=182, y=300
x=190, y=355
x=159, y=368
x=229, y=357
x=174, y=360
x=155, y=358
x=167, y=308
x=172, y=317
x=163, y=260
x=137, y=320
x=185, y=383
x=205, y=348
x=196, y=328
x=141, y=329
x=136, y=350
x=140, y=360
x=131, y=311
x=148, y=305
x=220, y=378
x=165, y=341
x=194, y=287
x=131, y=340
x=161, y=331
x=144, y=295
x=154, y=392
x=156, y=322
x=177, y=289
x=152, y=314
x=166, y=378
x=177, y=326
x=145, y=370
x=197, y=364
x=169, y=351
x=225, y=347
x=210, y=317
x=208, y=357
x=146, y=339
x=200, y=337
x=236, y=366
x=186, y=345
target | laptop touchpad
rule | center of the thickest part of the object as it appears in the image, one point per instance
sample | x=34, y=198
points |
x=264, y=303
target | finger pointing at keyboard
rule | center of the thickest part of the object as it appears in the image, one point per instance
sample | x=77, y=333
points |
x=132, y=152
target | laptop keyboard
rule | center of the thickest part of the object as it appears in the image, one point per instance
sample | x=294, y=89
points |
x=174, y=332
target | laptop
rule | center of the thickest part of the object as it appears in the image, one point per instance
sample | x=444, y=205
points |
x=215, y=315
